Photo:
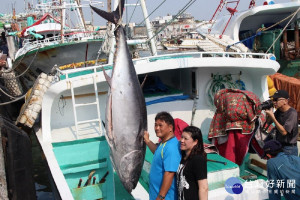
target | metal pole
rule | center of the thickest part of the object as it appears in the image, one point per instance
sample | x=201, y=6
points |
x=63, y=20
x=113, y=39
x=149, y=28
x=285, y=48
x=80, y=14
x=296, y=37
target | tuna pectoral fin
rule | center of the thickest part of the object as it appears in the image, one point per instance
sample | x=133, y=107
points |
x=108, y=79
x=109, y=127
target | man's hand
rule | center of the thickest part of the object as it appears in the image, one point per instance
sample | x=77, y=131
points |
x=270, y=114
x=279, y=127
x=146, y=137
x=148, y=142
x=166, y=184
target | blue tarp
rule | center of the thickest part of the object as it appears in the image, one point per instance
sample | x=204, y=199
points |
x=168, y=99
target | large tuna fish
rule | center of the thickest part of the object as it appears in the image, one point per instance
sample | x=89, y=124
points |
x=126, y=115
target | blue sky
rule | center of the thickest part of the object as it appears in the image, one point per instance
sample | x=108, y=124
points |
x=200, y=9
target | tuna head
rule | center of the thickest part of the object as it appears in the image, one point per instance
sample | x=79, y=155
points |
x=126, y=115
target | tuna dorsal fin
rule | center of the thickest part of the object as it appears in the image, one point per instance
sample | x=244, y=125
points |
x=108, y=79
x=114, y=16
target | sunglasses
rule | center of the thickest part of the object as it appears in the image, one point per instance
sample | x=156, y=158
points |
x=278, y=99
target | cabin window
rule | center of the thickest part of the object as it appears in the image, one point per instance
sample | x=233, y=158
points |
x=49, y=35
x=32, y=38
x=194, y=85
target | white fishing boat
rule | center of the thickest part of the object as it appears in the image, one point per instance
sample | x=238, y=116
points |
x=245, y=23
x=71, y=132
x=73, y=112
x=259, y=28
x=50, y=41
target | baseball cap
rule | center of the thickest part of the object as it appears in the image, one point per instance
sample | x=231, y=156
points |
x=280, y=94
x=271, y=146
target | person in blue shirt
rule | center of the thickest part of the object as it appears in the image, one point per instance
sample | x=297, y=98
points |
x=166, y=159
x=283, y=172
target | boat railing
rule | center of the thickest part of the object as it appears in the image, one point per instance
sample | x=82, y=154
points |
x=70, y=73
x=57, y=39
x=29, y=45
x=28, y=42
x=206, y=55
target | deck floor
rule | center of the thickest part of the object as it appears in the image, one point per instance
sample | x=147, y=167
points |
x=89, y=130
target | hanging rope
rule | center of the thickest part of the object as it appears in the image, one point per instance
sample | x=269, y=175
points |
x=120, y=13
x=119, y=23
x=258, y=32
x=12, y=97
x=291, y=15
x=133, y=11
x=294, y=14
x=242, y=41
x=17, y=99
x=18, y=65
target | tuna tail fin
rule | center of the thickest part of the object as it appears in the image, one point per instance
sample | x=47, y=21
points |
x=112, y=17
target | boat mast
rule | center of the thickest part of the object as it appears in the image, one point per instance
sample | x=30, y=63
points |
x=149, y=29
x=63, y=20
x=81, y=17
x=109, y=6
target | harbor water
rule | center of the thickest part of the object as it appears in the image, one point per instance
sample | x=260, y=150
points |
x=40, y=174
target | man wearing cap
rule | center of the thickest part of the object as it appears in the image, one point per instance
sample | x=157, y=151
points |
x=283, y=172
x=285, y=119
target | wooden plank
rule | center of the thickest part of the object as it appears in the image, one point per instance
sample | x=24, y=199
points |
x=258, y=164
x=84, y=95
